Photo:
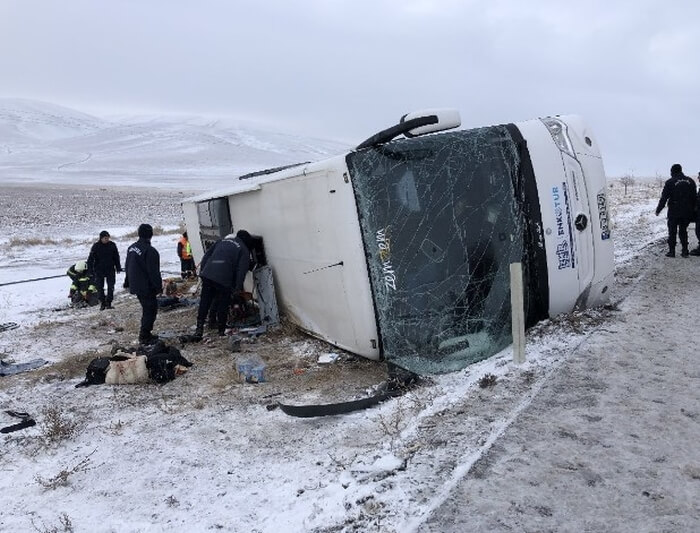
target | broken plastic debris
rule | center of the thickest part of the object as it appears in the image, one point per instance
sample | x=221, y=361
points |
x=327, y=358
x=253, y=332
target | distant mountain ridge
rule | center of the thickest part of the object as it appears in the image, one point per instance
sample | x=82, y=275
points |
x=42, y=142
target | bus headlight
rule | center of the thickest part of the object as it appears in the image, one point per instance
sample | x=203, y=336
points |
x=557, y=129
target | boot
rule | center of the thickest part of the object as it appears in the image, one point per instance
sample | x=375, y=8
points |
x=695, y=251
x=199, y=330
x=671, y=253
x=684, y=252
x=147, y=339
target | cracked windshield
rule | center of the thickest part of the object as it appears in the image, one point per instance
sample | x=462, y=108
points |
x=441, y=226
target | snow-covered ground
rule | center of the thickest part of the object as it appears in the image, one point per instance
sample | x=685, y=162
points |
x=597, y=431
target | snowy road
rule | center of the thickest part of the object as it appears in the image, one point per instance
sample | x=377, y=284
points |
x=610, y=443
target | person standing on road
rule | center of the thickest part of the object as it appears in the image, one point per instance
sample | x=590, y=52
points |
x=696, y=251
x=144, y=280
x=223, y=270
x=184, y=252
x=102, y=262
x=680, y=193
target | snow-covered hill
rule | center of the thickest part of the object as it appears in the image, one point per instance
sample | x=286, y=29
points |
x=46, y=143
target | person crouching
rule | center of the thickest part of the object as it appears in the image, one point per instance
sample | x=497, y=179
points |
x=222, y=270
x=82, y=291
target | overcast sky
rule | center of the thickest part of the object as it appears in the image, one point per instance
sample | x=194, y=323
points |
x=346, y=69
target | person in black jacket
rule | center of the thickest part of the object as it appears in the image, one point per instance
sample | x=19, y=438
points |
x=679, y=191
x=102, y=263
x=223, y=270
x=144, y=280
x=696, y=251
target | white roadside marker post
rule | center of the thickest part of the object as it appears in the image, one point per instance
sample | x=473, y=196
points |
x=517, y=312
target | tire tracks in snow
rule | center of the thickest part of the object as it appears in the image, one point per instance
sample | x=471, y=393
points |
x=608, y=443
x=547, y=355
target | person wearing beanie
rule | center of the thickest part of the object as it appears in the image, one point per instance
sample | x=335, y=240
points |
x=222, y=270
x=679, y=192
x=144, y=280
x=102, y=263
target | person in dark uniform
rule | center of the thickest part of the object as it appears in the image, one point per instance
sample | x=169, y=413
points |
x=144, y=280
x=223, y=270
x=680, y=192
x=102, y=262
x=696, y=251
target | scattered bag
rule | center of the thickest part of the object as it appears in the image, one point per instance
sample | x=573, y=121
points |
x=158, y=361
x=97, y=370
x=163, y=362
x=128, y=372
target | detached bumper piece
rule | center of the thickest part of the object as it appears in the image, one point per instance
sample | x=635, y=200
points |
x=27, y=421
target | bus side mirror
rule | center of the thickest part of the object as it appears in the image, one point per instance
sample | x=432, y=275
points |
x=445, y=119
x=414, y=124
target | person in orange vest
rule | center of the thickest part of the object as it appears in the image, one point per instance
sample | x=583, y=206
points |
x=184, y=252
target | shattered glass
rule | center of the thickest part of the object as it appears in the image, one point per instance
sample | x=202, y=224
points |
x=441, y=224
x=214, y=220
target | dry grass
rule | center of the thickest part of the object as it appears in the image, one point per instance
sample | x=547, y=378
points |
x=67, y=241
x=38, y=241
x=157, y=230
x=65, y=525
x=56, y=427
x=487, y=380
x=61, y=479
x=71, y=367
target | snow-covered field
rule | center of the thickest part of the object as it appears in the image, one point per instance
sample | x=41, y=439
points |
x=597, y=431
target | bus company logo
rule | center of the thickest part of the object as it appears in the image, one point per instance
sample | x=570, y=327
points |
x=558, y=212
x=563, y=250
x=384, y=245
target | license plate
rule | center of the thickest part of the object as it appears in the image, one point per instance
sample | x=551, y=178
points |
x=603, y=216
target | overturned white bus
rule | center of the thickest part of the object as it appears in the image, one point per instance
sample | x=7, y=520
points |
x=400, y=249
